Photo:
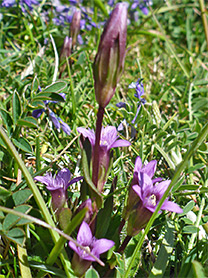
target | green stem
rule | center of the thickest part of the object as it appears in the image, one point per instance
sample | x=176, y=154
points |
x=191, y=242
x=204, y=19
x=181, y=167
x=73, y=100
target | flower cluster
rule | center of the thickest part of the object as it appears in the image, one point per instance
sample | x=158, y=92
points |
x=144, y=196
x=23, y=4
x=145, y=191
x=58, y=186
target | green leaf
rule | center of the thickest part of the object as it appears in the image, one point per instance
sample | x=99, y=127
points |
x=198, y=270
x=23, y=144
x=188, y=207
x=28, y=122
x=16, y=107
x=189, y=229
x=92, y=273
x=55, y=87
x=164, y=254
x=120, y=263
x=48, y=96
x=100, y=5
x=21, y=196
x=4, y=193
x=17, y=235
x=11, y=219
x=95, y=193
x=104, y=218
x=200, y=82
x=35, y=84
x=7, y=120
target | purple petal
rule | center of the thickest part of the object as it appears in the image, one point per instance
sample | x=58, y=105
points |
x=120, y=143
x=55, y=120
x=161, y=187
x=101, y=246
x=138, y=164
x=157, y=180
x=108, y=136
x=37, y=113
x=146, y=185
x=84, y=236
x=150, y=168
x=65, y=127
x=47, y=179
x=138, y=190
x=87, y=133
x=73, y=246
x=171, y=206
x=121, y=105
x=63, y=177
x=75, y=180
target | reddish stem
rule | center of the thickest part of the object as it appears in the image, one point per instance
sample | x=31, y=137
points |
x=95, y=170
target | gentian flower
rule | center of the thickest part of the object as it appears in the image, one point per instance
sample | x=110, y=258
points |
x=57, y=121
x=75, y=26
x=142, y=5
x=81, y=260
x=138, y=86
x=58, y=187
x=8, y=3
x=144, y=196
x=109, y=139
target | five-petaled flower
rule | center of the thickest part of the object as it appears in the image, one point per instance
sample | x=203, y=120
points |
x=109, y=139
x=144, y=196
x=58, y=187
x=82, y=260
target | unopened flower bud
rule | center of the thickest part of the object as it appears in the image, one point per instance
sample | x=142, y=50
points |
x=66, y=48
x=89, y=214
x=109, y=61
x=75, y=26
x=65, y=53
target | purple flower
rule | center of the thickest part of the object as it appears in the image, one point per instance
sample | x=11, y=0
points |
x=8, y=3
x=57, y=121
x=142, y=5
x=58, y=187
x=86, y=239
x=144, y=195
x=109, y=139
x=138, y=86
x=65, y=127
x=81, y=260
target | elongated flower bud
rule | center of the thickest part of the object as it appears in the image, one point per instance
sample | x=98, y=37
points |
x=109, y=61
x=75, y=26
x=65, y=53
x=66, y=48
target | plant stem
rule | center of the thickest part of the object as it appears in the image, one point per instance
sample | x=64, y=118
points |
x=121, y=225
x=124, y=244
x=204, y=19
x=99, y=121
